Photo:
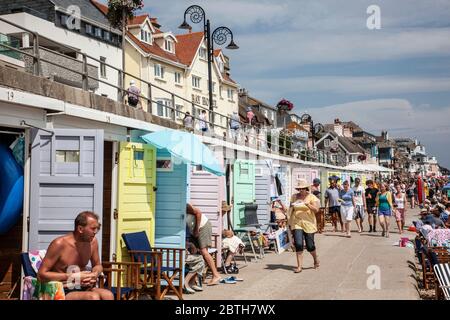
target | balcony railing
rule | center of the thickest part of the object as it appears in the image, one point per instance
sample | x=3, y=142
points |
x=44, y=62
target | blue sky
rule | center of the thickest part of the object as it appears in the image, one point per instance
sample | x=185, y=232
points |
x=321, y=56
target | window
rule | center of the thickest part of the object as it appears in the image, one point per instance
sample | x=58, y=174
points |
x=145, y=36
x=213, y=87
x=98, y=32
x=272, y=115
x=178, y=77
x=265, y=113
x=107, y=35
x=196, y=82
x=64, y=156
x=168, y=45
x=103, y=67
x=230, y=94
x=88, y=29
x=161, y=108
x=326, y=143
x=164, y=164
x=220, y=92
x=203, y=53
x=142, y=35
x=138, y=155
x=64, y=20
x=159, y=71
x=179, y=108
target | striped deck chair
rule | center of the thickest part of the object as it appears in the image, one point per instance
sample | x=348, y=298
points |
x=442, y=272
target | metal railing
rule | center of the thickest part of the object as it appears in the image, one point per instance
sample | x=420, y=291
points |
x=251, y=135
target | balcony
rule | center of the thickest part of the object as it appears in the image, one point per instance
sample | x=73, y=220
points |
x=65, y=69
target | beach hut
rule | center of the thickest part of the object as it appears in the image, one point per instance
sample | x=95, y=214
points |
x=283, y=173
x=207, y=192
x=66, y=178
x=243, y=189
x=263, y=188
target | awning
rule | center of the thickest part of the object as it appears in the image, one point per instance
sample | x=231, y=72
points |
x=186, y=147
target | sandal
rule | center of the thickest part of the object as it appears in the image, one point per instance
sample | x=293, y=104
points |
x=317, y=265
x=297, y=270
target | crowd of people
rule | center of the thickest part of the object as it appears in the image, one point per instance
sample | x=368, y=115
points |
x=343, y=202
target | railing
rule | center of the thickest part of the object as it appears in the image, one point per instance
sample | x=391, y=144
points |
x=12, y=42
x=260, y=138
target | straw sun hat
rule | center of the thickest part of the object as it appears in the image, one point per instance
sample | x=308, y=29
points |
x=301, y=184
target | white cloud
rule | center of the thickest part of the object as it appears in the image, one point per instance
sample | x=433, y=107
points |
x=382, y=85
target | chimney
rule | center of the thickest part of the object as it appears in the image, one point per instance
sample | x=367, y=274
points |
x=243, y=94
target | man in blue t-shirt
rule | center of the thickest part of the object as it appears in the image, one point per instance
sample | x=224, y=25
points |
x=332, y=203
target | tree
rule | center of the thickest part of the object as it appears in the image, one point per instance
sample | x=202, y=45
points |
x=119, y=13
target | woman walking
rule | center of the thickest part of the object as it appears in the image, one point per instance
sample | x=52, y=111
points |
x=346, y=198
x=384, y=204
x=400, y=208
x=302, y=222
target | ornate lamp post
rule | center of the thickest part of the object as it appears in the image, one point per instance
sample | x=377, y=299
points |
x=218, y=36
x=317, y=128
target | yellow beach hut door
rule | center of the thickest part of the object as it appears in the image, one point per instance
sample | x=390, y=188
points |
x=136, y=194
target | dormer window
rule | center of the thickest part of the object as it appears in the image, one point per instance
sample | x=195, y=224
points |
x=168, y=45
x=146, y=36
x=203, y=53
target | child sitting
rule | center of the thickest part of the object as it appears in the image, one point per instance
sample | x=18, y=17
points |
x=234, y=245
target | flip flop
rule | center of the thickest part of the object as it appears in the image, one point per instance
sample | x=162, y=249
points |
x=233, y=278
x=227, y=281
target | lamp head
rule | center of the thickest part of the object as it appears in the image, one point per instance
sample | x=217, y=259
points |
x=184, y=25
x=232, y=45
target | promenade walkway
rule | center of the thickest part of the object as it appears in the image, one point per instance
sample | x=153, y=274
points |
x=345, y=267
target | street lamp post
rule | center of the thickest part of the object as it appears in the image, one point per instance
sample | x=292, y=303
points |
x=218, y=36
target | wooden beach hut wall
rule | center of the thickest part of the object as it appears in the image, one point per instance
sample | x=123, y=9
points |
x=207, y=192
x=113, y=135
x=263, y=182
x=308, y=174
x=136, y=198
x=66, y=178
x=243, y=189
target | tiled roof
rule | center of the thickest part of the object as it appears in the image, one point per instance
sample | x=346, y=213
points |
x=227, y=77
x=217, y=52
x=86, y=9
x=153, y=49
x=101, y=7
x=138, y=20
x=187, y=46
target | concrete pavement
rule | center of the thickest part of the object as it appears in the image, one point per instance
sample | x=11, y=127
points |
x=347, y=267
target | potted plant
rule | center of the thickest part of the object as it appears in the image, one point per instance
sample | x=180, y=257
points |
x=285, y=105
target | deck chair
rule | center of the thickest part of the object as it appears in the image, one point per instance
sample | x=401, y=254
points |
x=32, y=288
x=122, y=279
x=442, y=272
x=157, y=264
x=252, y=232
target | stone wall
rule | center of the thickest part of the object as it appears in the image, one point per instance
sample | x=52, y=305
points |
x=58, y=73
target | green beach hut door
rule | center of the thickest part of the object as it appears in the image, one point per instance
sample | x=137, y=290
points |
x=243, y=189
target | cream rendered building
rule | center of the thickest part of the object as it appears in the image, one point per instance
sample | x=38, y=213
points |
x=177, y=68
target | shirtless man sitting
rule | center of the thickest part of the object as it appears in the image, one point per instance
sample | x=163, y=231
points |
x=67, y=257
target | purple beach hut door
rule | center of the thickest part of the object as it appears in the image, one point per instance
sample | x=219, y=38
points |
x=66, y=178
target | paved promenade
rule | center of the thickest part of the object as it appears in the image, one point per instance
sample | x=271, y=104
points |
x=343, y=272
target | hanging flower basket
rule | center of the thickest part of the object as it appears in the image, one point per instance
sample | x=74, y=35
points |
x=116, y=8
x=285, y=105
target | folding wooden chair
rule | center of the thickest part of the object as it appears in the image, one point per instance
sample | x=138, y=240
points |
x=122, y=279
x=157, y=264
x=442, y=272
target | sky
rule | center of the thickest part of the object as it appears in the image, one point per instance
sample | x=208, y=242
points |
x=322, y=56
